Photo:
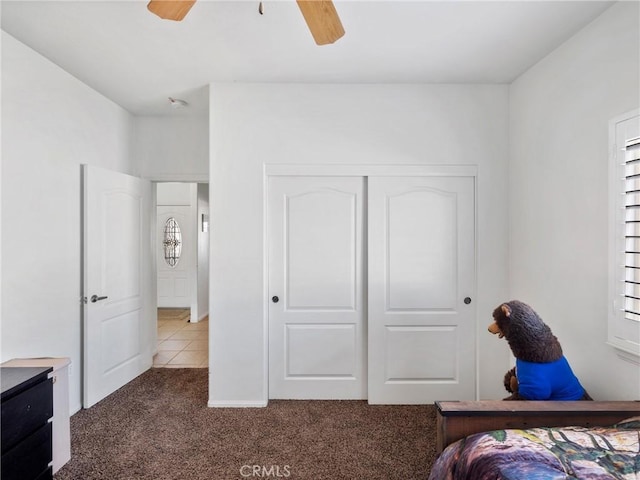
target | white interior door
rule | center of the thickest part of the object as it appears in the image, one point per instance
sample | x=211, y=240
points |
x=421, y=268
x=317, y=333
x=176, y=277
x=118, y=326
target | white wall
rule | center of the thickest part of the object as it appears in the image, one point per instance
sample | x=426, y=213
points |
x=203, y=252
x=257, y=124
x=1, y=250
x=558, y=192
x=172, y=148
x=51, y=124
x=173, y=193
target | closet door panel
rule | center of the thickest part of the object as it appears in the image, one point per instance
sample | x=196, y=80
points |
x=316, y=308
x=421, y=264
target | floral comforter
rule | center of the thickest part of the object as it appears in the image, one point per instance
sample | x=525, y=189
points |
x=567, y=453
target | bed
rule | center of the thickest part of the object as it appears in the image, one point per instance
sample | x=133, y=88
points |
x=538, y=452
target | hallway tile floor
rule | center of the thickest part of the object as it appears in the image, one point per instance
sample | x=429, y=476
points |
x=182, y=344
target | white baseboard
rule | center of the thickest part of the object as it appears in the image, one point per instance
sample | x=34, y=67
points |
x=73, y=409
x=237, y=403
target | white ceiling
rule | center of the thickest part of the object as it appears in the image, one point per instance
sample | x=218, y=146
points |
x=138, y=60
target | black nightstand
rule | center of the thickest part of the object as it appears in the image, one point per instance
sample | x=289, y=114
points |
x=27, y=406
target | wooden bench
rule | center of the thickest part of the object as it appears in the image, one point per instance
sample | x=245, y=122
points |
x=456, y=420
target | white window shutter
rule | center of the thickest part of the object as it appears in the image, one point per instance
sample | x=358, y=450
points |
x=624, y=319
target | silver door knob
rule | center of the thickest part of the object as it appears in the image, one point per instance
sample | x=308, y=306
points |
x=96, y=298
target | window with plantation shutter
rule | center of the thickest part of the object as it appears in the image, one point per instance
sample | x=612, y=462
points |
x=624, y=317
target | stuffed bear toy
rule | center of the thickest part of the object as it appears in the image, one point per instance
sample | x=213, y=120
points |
x=541, y=372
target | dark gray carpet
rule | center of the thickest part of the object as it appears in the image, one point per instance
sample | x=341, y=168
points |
x=159, y=427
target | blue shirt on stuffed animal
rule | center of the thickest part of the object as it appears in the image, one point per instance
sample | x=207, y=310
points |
x=548, y=381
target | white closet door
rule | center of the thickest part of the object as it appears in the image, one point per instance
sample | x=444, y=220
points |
x=421, y=268
x=316, y=309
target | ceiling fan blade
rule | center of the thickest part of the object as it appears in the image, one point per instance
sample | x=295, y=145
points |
x=171, y=9
x=322, y=19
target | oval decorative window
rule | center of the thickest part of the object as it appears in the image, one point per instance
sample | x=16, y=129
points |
x=172, y=242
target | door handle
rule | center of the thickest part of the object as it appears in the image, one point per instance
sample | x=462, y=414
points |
x=96, y=298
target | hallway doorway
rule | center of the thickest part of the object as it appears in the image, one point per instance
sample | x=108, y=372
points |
x=182, y=268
